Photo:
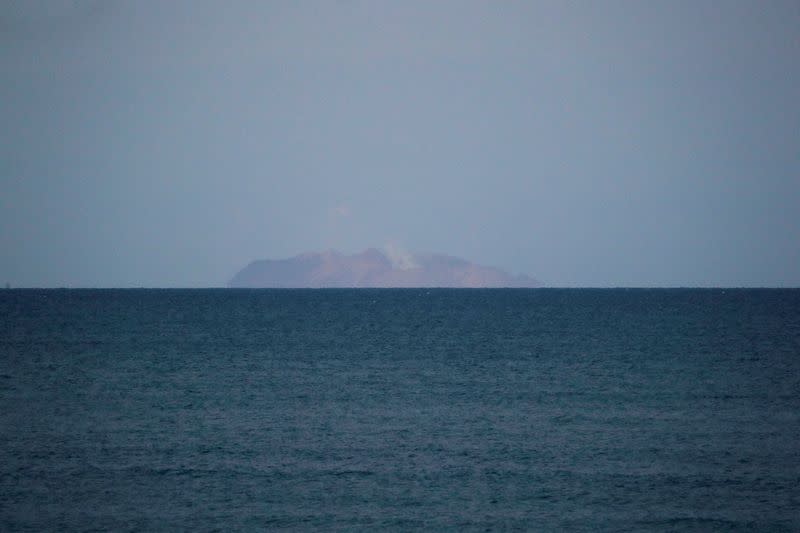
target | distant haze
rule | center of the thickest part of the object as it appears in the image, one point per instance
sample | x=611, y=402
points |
x=614, y=143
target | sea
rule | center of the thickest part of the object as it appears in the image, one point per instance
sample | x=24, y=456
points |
x=406, y=409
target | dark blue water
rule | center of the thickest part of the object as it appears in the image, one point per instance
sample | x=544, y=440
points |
x=621, y=410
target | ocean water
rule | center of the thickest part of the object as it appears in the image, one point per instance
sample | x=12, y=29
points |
x=538, y=410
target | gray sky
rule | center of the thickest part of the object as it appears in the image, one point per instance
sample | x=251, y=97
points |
x=602, y=143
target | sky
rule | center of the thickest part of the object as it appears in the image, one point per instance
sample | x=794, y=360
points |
x=588, y=144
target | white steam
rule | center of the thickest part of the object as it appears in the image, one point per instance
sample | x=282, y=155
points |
x=400, y=257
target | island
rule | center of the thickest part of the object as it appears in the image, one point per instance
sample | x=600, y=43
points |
x=374, y=269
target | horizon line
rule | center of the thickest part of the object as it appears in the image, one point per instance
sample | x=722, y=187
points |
x=544, y=287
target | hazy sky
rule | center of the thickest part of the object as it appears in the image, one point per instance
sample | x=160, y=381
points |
x=597, y=143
